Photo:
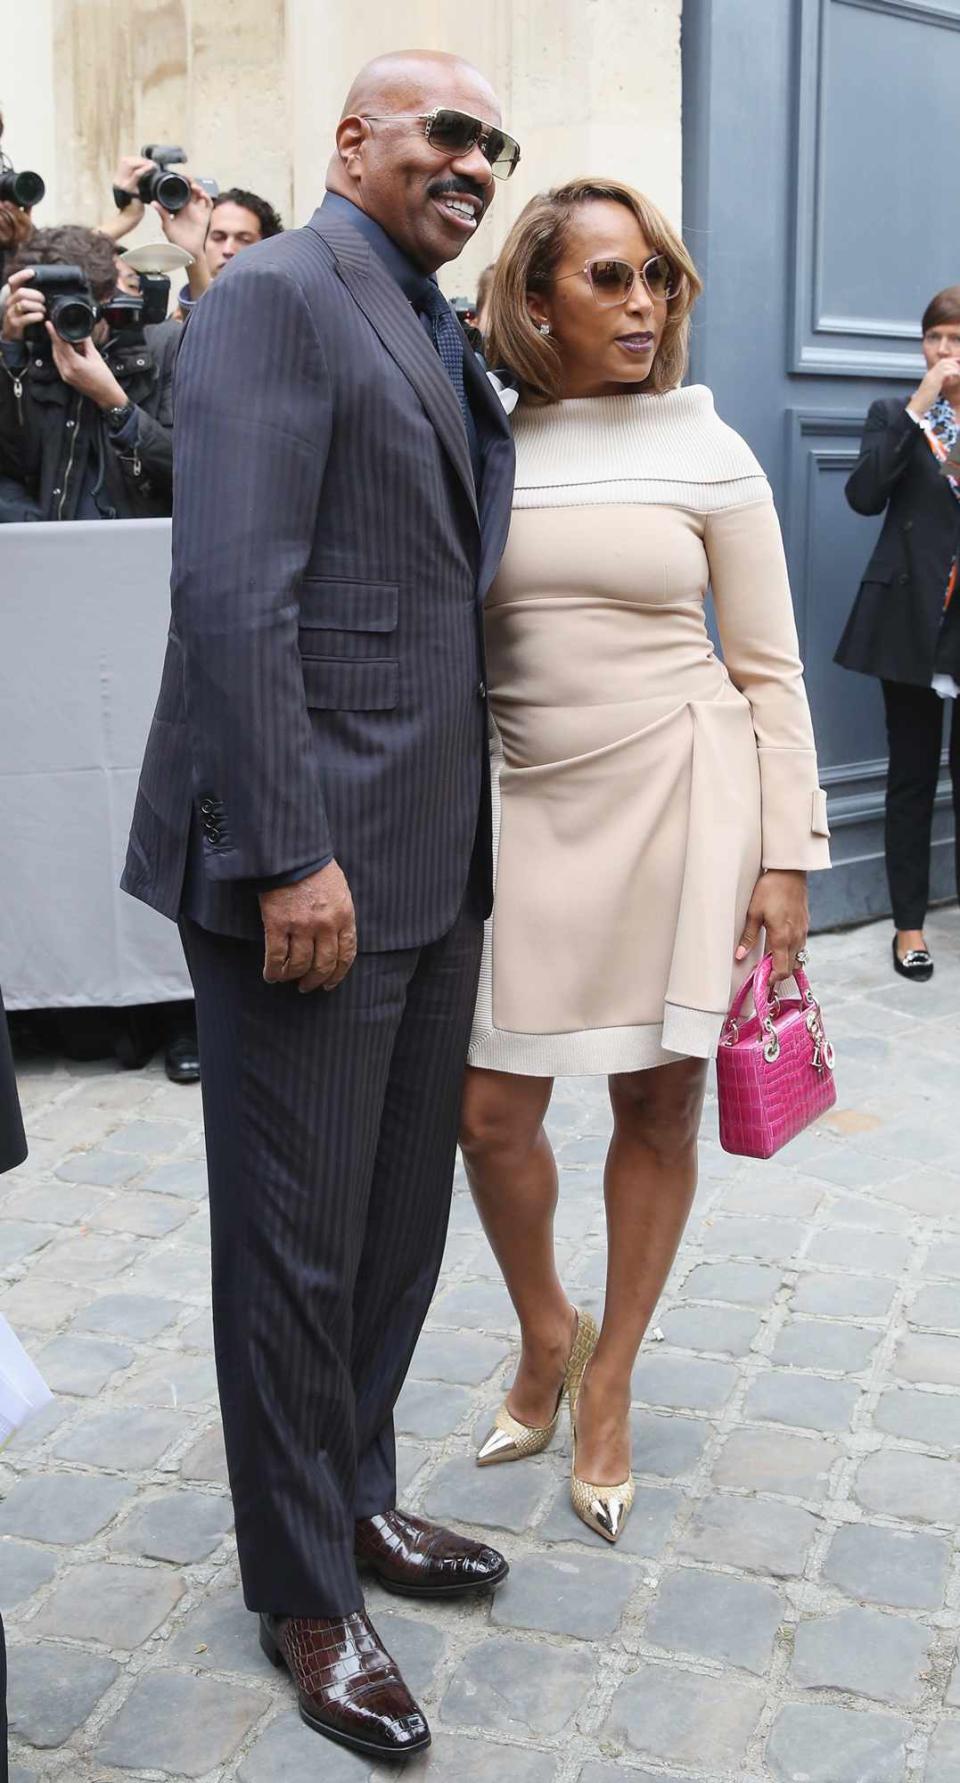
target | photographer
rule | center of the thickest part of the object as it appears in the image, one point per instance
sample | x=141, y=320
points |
x=235, y=220
x=16, y=224
x=87, y=427
x=213, y=230
x=186, y=228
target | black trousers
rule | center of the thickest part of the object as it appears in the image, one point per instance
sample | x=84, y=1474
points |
x=331, y=1128
x=915, y=718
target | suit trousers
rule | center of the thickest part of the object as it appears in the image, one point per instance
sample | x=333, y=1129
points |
x=331, y=1127
x=915, y=737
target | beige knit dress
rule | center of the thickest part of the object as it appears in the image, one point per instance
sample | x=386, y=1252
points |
x=640, y=783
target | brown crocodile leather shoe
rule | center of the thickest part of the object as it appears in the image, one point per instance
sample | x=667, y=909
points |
x=348, y=1685
x=420, y=1559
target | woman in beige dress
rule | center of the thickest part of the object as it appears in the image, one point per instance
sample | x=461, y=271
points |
x=658, y=810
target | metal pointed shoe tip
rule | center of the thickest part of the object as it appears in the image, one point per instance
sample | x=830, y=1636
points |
x=609, y=1516
x=604, y=1509
x=497, y=1445
x=511, y=1441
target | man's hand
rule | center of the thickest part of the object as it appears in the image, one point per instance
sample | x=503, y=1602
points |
x=310, y=932
x=86, y=370
x=187, y=229
x=24, y=308
x=126, y=176
x=778, y=905
x=944, y=372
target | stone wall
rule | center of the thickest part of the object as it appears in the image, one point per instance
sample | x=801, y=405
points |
x=253, y=89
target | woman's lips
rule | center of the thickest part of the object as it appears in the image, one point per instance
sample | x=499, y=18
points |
x=635, y=343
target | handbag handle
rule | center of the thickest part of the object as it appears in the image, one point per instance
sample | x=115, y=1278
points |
x=759, y=983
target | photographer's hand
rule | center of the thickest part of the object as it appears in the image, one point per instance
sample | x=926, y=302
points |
x=24, y=308
x=187, y=229
x=126, y=175
x=86, y=370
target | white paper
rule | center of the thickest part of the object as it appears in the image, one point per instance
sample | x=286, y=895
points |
x=23, y=1390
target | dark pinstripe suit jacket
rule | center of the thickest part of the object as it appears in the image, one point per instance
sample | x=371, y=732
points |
x=322, y=690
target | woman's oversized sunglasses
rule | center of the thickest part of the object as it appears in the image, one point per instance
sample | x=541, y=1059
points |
x=612, y=281
x=456, y=133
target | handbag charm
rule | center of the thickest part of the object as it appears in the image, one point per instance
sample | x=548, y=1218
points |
x=774, y=1069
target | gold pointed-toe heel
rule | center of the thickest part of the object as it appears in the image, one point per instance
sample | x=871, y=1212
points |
x=509, y=1440
x=584, y=1344
x=603, y=1509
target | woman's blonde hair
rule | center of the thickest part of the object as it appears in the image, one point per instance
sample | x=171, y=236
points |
x=531, y=254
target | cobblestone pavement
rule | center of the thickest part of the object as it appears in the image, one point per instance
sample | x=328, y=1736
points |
x=785, y=1603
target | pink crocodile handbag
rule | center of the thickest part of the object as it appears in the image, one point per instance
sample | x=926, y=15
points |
x=774, y=1069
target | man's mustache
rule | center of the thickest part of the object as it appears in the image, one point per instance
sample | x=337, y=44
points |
x=458, y=184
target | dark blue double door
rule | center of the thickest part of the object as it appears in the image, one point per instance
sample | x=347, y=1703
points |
x=820, y=205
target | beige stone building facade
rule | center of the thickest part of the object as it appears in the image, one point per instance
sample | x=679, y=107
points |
x=253, y=89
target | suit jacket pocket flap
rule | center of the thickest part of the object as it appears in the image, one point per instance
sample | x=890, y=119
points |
x=335, y=684
x=329, y=605
x=818, y=820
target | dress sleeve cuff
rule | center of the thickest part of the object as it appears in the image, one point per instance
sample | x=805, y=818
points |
x=793, y=809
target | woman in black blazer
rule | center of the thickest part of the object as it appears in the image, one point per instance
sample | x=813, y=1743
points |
x=905, y=623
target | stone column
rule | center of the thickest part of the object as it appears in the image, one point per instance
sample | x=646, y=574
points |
x=88, y=80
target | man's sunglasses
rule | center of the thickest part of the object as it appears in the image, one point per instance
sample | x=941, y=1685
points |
x=456, y=133
x=612, y=281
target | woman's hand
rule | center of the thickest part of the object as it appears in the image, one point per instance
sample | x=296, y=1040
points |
x=945, y=371
x=778, y=905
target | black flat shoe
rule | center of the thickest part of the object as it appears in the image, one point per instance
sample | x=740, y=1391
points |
x=182, y=1059
x=917, y=964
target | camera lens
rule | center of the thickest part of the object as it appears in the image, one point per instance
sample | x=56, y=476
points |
x=25, y=189
x=171, y=190
x=72, y=317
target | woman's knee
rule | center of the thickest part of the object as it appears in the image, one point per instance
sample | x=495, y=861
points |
x=500, y=1116
x=661, y=1109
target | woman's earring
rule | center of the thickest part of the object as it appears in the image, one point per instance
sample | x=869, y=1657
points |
x=543, y=328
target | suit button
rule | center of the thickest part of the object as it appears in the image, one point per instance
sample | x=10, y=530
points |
x=207, y=807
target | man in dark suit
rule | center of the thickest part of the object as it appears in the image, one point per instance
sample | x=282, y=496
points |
x=314, y=810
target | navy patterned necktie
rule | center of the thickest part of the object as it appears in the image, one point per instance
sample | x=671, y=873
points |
x=448, y=339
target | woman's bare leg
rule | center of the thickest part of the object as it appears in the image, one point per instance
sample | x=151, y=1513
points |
x=513, y=1175
x=649, y=1184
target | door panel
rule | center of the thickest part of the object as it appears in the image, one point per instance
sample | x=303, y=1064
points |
x=822, y=219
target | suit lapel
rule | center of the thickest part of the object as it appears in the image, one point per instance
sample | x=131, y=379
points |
x=496, y=486
x=388, y=311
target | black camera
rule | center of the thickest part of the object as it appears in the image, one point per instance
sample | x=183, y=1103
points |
x=74, y=313
x=70, y=304
x=144, y=310
x=24, y=189
x=171, y=190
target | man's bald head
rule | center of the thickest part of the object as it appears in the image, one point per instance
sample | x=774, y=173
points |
x=414, y=80
x=428, y=198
